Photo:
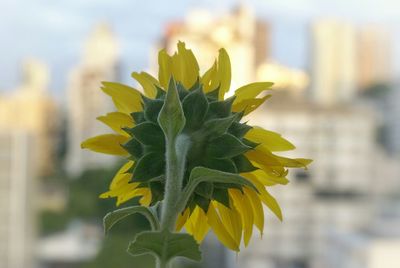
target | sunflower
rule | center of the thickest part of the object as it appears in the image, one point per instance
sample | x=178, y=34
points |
x=219, y=141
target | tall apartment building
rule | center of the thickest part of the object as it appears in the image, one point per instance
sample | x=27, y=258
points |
x=86, y=101
x=374, y=57
x=17, y=206
x=337, y=186
x=30, y=107
x=239, y=32
x=333, y=62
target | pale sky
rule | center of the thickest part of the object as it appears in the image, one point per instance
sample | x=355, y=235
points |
x=54, y=31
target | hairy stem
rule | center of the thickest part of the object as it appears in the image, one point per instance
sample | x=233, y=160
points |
x=176, y=151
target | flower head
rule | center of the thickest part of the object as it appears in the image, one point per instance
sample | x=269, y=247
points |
x=219, y=140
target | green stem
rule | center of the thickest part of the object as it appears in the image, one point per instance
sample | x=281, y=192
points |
x=162, y=264
x=176, y=151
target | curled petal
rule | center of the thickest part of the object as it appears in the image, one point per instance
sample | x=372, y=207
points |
x=270, y=140
x=224, y=73
x=251, y=91
x=148, y=83
x=116, y=121
x=219, y=228
x=106, y=144
x=126, y=99
x=249, y=105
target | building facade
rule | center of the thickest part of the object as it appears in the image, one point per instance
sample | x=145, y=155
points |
x=17, y=205
x=337, y=186
x=86, y=101
x=30, y=107
x=243, y=36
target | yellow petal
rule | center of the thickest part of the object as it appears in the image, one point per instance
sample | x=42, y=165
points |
x=182, y=218
x=245, y=210
x=251, y=177
x=126, y=99
x=270, y=140
x=106, y=144
x=116, y=121
x=224, y=73
x=148, y=83
x=256, y=206
x=146, y=199
x=210, y=79
x=232, y=221
x=184, y=66
x=164, y=68
x=268, y=199
x=121, y=175
x=251, y=91
x=268, y=178
x=219, y=229
x=262, y=158
x=249, y=105
x=197, y=224
x=294, y=162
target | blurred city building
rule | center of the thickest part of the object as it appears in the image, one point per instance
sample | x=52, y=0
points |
x=338, y=185
x=333, y=62
x=17, y=202
x=86, y=101
x=285, y=78
x=374, y=59
x=377, y=246
x=245, y=37
x=346, y=59
x=30, y=107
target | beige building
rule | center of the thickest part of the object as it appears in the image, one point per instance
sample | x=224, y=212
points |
x=17, y=209
x=374, y=56
x=30, y=108
x=86, y=101
x=337, y=186
x=239, y=32
x=333, y=62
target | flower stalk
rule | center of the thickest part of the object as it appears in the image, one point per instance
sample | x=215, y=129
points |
x=176, y=151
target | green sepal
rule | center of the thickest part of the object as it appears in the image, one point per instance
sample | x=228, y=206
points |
x=165, y=245
x=225, y=165
x=202, y=202
x=160, y=93
x=134, y=148
x=157, y=191
x=222, y=196
x=220, y=109
x=243, y=164
x=182, y=92
x=250, y=143
x=148, y=167
x=205, y=189
x=213, y=95
x=195, y=106
x=171, y=118
x=152, y=108
x=201, y=174
x=138, y=117
x=217, y=127
x=115, y=216
x=148, y=133
x=227, y=186
x=226, y=146
x=239, y=129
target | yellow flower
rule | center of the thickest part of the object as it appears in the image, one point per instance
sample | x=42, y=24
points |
x=218, y=141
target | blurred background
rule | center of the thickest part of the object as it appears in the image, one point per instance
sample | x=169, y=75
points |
x=336, y=68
